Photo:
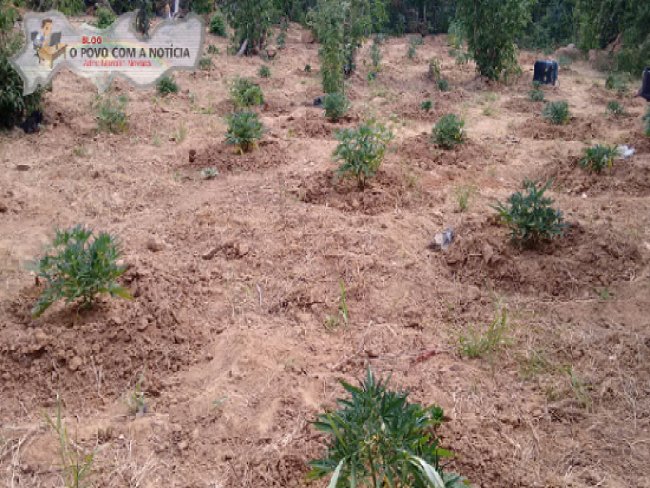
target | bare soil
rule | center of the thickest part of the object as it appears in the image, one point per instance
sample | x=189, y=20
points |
x=236, y=279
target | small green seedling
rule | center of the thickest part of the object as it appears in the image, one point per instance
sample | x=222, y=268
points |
x=463, y=197
x=205, y=63
x=426, y=105
x=244, y=130
x=477, y=344
x=443, y=85
x=111, y=114
x=615, y=109
x=136, y=400
x=435, y=71
x=209, y=173
x=536, y=95
x=245, y=93
x=336, y=106
x=166, y=85
x=598, y=157
x=264, y=71
x=449, y=132
x=557, y=112
x=212, y=49
x=307, y=68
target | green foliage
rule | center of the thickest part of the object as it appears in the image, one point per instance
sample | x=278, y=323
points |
x=361, y=151
x=530, y=215
x=456, y=34
x=244, y=130
x=426, y=105
x=111, y=115
x=78, y=268
x=264, y=71
x=435, y=71
x=463, y=196
x=245, y=93
x=209, y=173
x=411, y=52
x=136, y=401
x=557, y=112
x=646, y=119
x=536, y=95
x=218, y=25
x=616, y=109
x=375, y=54
x=205, y=63
x=328, y=26
x=478, y=344
x=166, y=85
x=76, y=466
x=212, y=49
x=308, y=68
x=449, y=132
x=281, y=40
x=251, y=20
x=598, y=157
x=552, y=25
x=379, y=439
x=202, y=7
x=492, y=27
x=105, y=17
x=443, y=85
x=336, y=105
x=617, y=82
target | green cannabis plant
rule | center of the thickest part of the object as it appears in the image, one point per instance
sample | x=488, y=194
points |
x=443, y=85
x=557, y=113
x=336, y=106
x=111, y=115
x=426, y=105
x=105, y=17
x=218, y=25
x=264, y=71
x=615, y=109
x=536, y=95
x=361, y=151
x=435, y=71
x=245, y=93
x=598, y=157
x=166, y=85
x=244, y=130
x=79, y=267
x=531, y=216
x=449, y=132
x=378, y=439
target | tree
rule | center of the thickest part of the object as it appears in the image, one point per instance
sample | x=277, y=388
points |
x=492, y=27
x=251, y=20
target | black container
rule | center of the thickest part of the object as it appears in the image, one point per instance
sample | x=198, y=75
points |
x=546, y=72
x=645, y=85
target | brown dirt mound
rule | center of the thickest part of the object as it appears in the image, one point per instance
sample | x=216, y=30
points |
x=420, y=151
x=315, y=125
x=578, y=129
x=388, y=190
x=523, y=105
x=224, y=157
x=572, y=266
x=629, y=177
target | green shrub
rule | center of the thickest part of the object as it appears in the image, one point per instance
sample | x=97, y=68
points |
x=646, y=119
x=218, y=25
x=530, y=216
x=377, y=439
x=598, y=157
x=244, y=130
x=616, y=109
x=245, y=93
x=336, y=105
x=79, y=268
x=281, y=40
x=443, y=85
x=205, y=63
x=426, y=105
x=411, y=52
x=557, y=112
x=536, y=95
x=361, y=151
x=449, y=132
x=617, y=82
x=251, y=21
x=202, y=7
x=105, y=17
x=212, y=49
x=435, y=72
x=111, y=115
x=264, y=71
x=308, y=68
x=375, y=54
x=166, y=85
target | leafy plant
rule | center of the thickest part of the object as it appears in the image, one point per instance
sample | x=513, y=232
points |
x=244, y=130
x=426, y=105
x=111, y=115
x=202, y=7
x=435, y=72
x=557, y=112
x=76, y=466
x=536, y=95
x=477, y=344
x=598, y=157
x=180, y=134
x=375, y=54
x=449, y=132
x=443, y=85
x=530, y=215
x=411, y=52
x=251, y=21
x=264, y=71
x=343, y=313
x=617, y=82
x=105, y=17
x=646, y=119
x=245, y=93
x=379, y=439
x=205, y=63
x=308, y=68
x=79, y=268
x=463, y=196
x=281, y=40
x=616, y=109
x=166, y=85
x=218, y=25
x=209, y=173
x=362, y=150
x=136, y=401
x=212, y=49
x=336, y=105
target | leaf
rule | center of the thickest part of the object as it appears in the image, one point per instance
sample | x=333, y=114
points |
x=430, y=473
x=337, y=473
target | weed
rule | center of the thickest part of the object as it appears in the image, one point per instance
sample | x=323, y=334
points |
x=218, y=25
x=180, y=134
x=615, y=109
x=136, y=401
x=264, y=71
x=212, y=49
x=411, y=52
x=604, y=294
x=245, y=93
x=646, y=120
x=426, y=105
x=209, y=173
x=79, y=268
x=435, y=72
x=477, y=344
x=372, y=75
x=166, y=85
x=244, y=130
x=281, y=40
x=336, y=105
x=463, y=196
x=331, y=322
x=105, y=17
x=443, y=85
x=76, y=466
x=617, y=82
x=111, y=115
x=536, y=95
x=375, y=55
x=557, y=112
x=362, y=150
x=579, y=388
x=205, y=63
x=308, y=68
x=598, y=157
x=449, y=132
x=80, y=151
x=530, y=216
x=489, y=110
x=379, y=439
x=534, y=364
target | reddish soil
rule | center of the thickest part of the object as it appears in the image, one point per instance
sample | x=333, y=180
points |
x=236, y=280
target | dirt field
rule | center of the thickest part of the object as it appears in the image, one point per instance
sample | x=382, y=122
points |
x=234, y=279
